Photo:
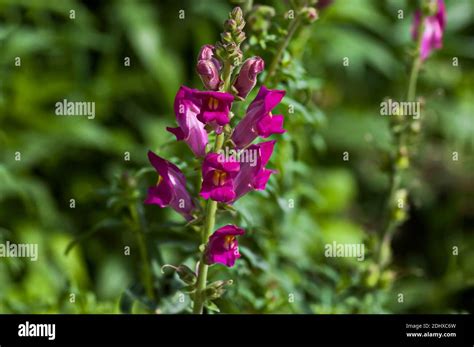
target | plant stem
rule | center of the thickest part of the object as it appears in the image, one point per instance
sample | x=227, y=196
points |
x=147, y=276
x=281, y=48
x=211, y=209
x=210, y=216
x=391, y=223
x=411, y=95
x=227, y=70
x=208, y=227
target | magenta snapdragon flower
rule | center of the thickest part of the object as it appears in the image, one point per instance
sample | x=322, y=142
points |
x=218, y=178
x=433, y=28
x=207, y=107
x=259, y=120
x=190, y=129
x=214, y=107
x=170, y=189
x=208, y=68
x=254, y=177
x=223, y=247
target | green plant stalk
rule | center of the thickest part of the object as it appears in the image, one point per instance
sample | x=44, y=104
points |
x=281, y=48
x=147, y=276
x=211, y=209
x=396, y=173
x=209, y=218
x=227, y=70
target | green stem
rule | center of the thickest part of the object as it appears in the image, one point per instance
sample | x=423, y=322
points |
x=147, y=276
x=415, y=69
x=391, y=223
x=209, y=217
x=199, y=298
x=281, y=48
x=411, y=95
x=227, y=70
x=208, y=227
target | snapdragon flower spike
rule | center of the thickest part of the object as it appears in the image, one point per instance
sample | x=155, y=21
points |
x=247, y=77
x=218, y=178
x=223, y=247
x=433, y=28
x=190, y=130
x=259, y=120
x=208, y=68
x=170, y=189
x=254, y=177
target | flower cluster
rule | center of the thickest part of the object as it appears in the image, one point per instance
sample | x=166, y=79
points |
x=199, y=114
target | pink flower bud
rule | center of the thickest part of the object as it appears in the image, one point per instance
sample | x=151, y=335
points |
x=208, y=68
x=248, y=75
x=206, y=52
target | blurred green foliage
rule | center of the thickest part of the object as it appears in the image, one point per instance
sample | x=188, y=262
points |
x=316, y=197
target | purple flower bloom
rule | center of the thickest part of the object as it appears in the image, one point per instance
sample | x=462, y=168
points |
x=247, y=77
x=214, y=108
x=170, y=189
x=256, y=176
x=259, y=120
x=190, y=129
x=208, y=68
x=433, y=28
x=194, y=109
x=218, y=178
x=223, y=247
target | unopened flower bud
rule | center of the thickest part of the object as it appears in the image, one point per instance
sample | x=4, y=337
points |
x=240, y=38
x=208, y=68
x=216, y=289
x=185, y=273
x=206, y=52
x=309, y=14
x=247, y=77
x=237, y=14
x=226, y=37
x=230, y=24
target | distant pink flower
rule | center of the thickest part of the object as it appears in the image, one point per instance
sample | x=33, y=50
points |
x=218, y=178
x=254, y=177
x=223, y=247
x=259, y=120
x=433, y=28
x=208, y=68
x=171, y=187
x=247, y=77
